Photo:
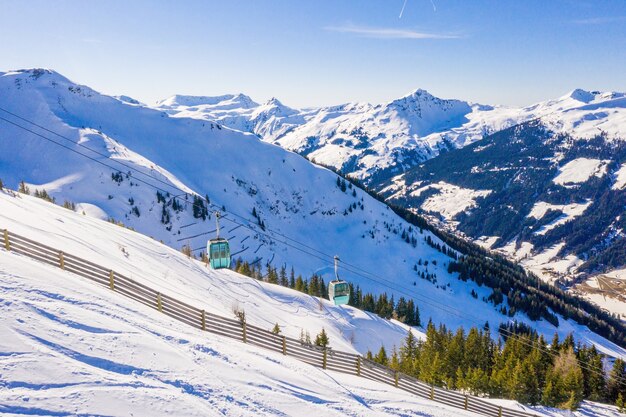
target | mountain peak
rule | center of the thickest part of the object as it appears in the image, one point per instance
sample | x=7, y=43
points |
x=37, y=73
x=581, y=95
x=418, y=94
x=274, y=102
x=240, y=99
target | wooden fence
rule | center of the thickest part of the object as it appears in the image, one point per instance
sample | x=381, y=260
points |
x=328, y=358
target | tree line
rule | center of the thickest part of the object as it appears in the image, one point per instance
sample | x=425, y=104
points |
x=520, y=366
x=385, y=306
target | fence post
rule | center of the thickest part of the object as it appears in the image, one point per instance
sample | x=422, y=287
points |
x=395, y=378
x=111, y=280
x=466, y=401
x=284, y=345
x=159, y=305
x=432, y=393
x=358, y=366
x=324, y=357
x=500, y=411
x=243, y=331
x=7, y=246
x=203, y=320
x=61, y=260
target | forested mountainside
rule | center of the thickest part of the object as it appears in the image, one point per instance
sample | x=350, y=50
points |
x=529, y=190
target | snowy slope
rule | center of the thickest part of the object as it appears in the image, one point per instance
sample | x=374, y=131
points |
x=291, y=196
x=69, y=346
x=374, y=142
x=294, y=198
x=160, y=267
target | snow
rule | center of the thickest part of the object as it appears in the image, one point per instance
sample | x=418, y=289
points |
x=450, y=200
x=570, y=211
x=408, y=130
x=547, y=265
x=586, y=409
x=487, y=241
x=163, y=268
x=620, y=178
x=70, y=346
x=91, y=211
x=580, y=170
x=296, y=200
x=237, y=171
x=607, y=290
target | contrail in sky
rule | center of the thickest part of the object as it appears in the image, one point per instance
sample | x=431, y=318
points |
x=404, y=5
x=402, y=11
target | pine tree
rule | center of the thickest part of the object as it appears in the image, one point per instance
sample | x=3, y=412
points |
x=564, y=386
x=381, y=356
x=593, y=372
x=408, y=353
x=23, y=188
x=272, y=276
x=554, y=345
x=322, y=339
x=616, y=384
x=394, y=363
x=282, y=277
x=292, y=279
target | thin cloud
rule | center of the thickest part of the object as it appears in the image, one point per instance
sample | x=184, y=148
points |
x=389, y=33
x=599, y=20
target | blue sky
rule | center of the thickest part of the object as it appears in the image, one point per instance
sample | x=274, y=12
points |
x=323, y=52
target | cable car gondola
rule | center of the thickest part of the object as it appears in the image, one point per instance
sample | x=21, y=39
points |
x=338, y=290
x=218, y=249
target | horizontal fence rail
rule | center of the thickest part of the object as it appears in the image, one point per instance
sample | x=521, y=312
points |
x=325, y=358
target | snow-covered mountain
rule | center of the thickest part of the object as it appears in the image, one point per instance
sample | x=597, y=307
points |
x=279, y=207
x=544, y=193
x=70, y=347
x=375, y=142
x=383, y=144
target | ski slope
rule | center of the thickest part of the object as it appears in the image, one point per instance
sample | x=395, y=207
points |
x=69, y=347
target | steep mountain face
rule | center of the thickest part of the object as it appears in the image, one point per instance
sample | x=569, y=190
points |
x=278, y=207
x=554, y=200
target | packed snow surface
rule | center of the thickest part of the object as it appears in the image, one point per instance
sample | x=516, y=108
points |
x=69, y=346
